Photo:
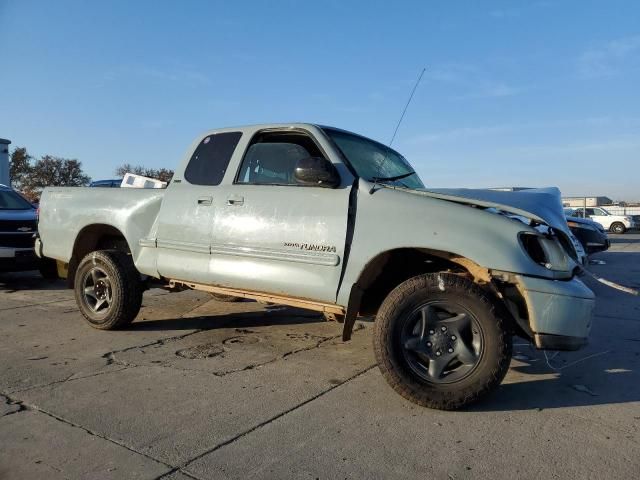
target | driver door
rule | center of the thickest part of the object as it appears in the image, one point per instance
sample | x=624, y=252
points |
x=271, y=234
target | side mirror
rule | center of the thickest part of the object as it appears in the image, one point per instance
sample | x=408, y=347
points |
x=316, y=171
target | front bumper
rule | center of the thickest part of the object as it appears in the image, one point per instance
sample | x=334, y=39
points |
x=560, y=311
x=17, y=259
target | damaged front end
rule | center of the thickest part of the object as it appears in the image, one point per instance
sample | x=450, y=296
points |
x=554, y=308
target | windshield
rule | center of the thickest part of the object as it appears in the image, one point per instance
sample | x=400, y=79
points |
x=12, y=201
x=374, y=161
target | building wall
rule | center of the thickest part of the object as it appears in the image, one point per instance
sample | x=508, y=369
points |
x=574, y=202
x=4, y=161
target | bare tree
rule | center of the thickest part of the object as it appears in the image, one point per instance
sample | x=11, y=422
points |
x=31, y=177
x=162, y=174
x=52, y=171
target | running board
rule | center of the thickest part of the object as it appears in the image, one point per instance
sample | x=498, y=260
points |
x=262, y=297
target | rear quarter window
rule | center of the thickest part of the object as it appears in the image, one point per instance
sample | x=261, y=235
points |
x=211, y=158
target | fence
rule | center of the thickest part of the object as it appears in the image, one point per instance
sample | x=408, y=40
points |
x=615, y=210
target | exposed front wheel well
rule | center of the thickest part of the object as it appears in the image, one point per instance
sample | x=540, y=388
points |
x=91, y=238
x=389, y=269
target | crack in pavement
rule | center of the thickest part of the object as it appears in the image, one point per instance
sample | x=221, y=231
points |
x=113, y=360
x=177, y=470
x=29, y=407
x=71, y=378
x=276, y=417
x=111, y=356
x=35, y=305
x=23, y=406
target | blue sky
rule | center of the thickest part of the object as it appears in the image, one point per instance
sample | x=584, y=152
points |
x=530, y=93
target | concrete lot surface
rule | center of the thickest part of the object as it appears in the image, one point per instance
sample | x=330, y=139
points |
x=202, y=389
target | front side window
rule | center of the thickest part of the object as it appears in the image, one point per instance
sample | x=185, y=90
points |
x=373, y=161
x=12, y=201
x=599, y=211
x=272, y=157
x=210, y=159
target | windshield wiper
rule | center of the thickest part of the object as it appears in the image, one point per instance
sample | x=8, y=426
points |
x=391, y=179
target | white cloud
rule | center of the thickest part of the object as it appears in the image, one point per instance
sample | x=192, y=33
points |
x=175, y=74
x=611, y=58
x=466, y=133
x=472, y=82
x=460, y=133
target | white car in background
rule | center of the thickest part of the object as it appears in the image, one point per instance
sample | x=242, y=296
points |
x=613, y=223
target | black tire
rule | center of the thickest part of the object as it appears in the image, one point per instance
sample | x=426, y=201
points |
x=225, y=298
x=48, y=269
x=481, y=355
x=112, y=279
x=617, y=227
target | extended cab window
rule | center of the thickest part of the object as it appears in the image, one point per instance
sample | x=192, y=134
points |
x=272, y=157
x=210, y=160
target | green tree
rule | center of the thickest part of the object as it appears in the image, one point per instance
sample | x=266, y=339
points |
x=19, y=167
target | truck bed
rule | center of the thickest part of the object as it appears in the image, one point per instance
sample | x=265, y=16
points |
x=65, y=211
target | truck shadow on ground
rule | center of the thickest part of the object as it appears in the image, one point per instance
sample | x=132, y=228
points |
x=238, y=320
x=604, y=383
x=16, y=281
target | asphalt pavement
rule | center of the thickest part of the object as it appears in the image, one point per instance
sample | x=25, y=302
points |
x=197, y=388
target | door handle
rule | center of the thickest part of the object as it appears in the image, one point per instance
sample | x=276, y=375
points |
x=235, y=200
x=205, y=201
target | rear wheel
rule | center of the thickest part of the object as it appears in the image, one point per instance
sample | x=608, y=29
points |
x=618, y=227
x=440, y=341
x=108, y=289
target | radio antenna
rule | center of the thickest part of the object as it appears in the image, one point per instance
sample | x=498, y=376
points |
x=415, y=87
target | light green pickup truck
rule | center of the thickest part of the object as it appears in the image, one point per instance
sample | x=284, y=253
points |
x=324, y=219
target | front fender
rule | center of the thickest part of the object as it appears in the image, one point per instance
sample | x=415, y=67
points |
x=390, y=219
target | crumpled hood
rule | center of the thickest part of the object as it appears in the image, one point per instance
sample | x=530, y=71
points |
x=543, y=205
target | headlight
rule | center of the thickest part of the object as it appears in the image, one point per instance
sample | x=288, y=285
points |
x=581, y=225
x=545, y=251
x=627, y=219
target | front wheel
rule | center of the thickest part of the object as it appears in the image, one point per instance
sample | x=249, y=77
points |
x=108, y=290
x=618, y=227
x=441, y=342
